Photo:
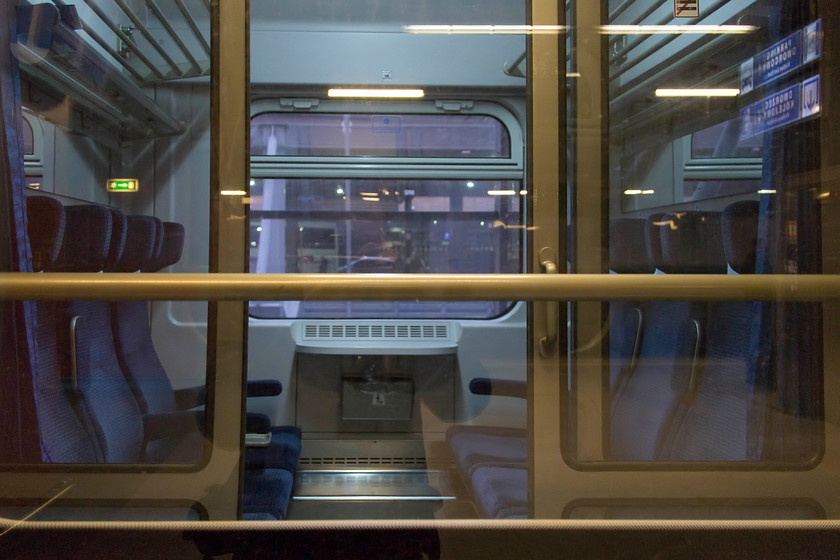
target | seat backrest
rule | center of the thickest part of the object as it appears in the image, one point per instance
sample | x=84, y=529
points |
x=105, y=400
x=649, y=401
x=714, y=425
x=62, y=434
x=130, y=320
x=628, y=255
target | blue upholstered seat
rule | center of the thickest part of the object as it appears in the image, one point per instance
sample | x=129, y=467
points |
x=86, y=409
x=63, y=437
x=650, y=399
x=151, y=246
x=713, y=426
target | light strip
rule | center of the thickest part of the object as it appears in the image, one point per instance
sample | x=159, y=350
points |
x=631, y=192
x=676, y=29
x=376, y=93
x=369, y=498
x=486, y=29
x=698, y=92
x=233, y=193
x=766, y=191
x=501, y=193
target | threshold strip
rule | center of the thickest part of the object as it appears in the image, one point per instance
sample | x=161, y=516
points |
x=370, y=498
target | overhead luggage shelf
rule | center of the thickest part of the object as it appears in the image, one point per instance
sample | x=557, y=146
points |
x=103, y=55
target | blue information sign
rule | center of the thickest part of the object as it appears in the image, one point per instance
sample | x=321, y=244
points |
x=780, y=108
x=784, y=107
x=779, y=59
x=811, y=36
x=785, y=56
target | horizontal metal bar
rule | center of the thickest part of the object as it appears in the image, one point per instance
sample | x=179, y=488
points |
x=418, y=287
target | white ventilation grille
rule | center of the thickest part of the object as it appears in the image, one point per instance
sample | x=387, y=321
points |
x=376, y=331
x=360, y=461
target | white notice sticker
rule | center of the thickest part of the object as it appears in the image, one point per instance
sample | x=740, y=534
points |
x=686, y=8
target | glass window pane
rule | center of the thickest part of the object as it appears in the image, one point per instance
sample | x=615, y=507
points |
x=403, y=135
x=385, y=226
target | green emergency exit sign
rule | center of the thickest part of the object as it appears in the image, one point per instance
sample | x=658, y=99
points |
x=123, y=185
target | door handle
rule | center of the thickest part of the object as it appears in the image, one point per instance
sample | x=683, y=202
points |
x=552, y=310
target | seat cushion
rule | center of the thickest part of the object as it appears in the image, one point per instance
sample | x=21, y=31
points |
x=267, y=491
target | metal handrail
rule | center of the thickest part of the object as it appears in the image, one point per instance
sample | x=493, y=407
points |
x=417, y=287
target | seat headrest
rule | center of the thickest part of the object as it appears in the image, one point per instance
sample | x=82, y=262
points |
x=692, y=243
x=45, y=228
x=653, y=225
x=139, y=244
x=151, y=264
x=739, y=227
x=170, y=249
x=173, y=247
x=628, y=248
x=87, y=239
x=119, y=225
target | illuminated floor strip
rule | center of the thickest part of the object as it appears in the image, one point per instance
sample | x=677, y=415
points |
x=351, y=498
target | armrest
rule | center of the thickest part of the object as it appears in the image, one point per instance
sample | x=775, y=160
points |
x=264, y=388
x=256, y=423
x=499, y=387
x=172, y=424
x=191, y=397
x=257, y=430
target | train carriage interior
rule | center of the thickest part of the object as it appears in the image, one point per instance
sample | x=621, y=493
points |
x=260, y=253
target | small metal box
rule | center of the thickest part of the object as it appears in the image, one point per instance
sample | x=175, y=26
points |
x=385, y=399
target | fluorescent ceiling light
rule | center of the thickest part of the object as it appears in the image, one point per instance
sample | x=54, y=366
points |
x=233, y=193
x=369, y=194
x=371, y=198
x=767, y=191
x=698, y=92
x=631, y=192
x=676, y=29
x=344, y=92
x=486, y=29
x=502, y=193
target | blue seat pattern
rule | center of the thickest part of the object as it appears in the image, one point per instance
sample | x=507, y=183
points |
x=63, y=438
x=89, y=414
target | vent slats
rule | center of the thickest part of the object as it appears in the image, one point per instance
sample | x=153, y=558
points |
x=374, y=331
x=361, y=461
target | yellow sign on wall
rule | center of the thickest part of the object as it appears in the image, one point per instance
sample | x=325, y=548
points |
x=123, y=185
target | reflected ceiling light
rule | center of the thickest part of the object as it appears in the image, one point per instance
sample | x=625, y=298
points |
x=369, y=194
x=573, y=74
x=486, y=29
x=375, y=93
x=676, y=29
x=370, y=198
x=698, y=92
x=648, y=191
x=233, y=193
x=502, y=193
